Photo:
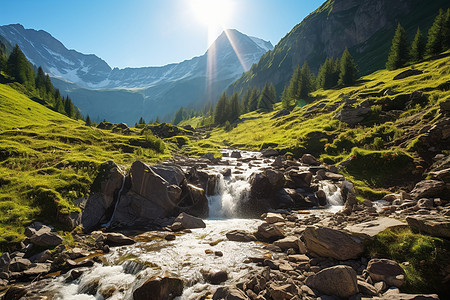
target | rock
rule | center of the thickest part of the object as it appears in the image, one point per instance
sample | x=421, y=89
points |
x=337, y=281
x=186, y=221
x=46, y=239
x=260, y=186
x=269, y=152
x=297, y=258
x=5, y=260
x=104, y=189
x=321, y=197
x=282, y=292
x=272, y=218
x=276, y=179
x=38, y=269
x=41, y=256
x=372, y=228
x=425, y=203
x=215, y=277
x=240, y=236
x=443, y=175
x=433, y=225
x=391, y=197
x=196, y=204
x=407, y=73
x=229, y=293
x=117, y=239
x=386, y=270
x=353, y=116
x=15, y=293
x=334, y=176
x=308, y=159
x=327, y=242
x=366, y=288
x=170, y=237
x=170, y=173
x=209, y=156
x=428, y=189
x=236, y=154
x=19, y=264
x=289, y=242
x=301, y=179
x=159, y=288
x=226, y=172
x=269, y=232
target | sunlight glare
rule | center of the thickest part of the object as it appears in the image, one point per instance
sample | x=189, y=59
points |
x=212, y=12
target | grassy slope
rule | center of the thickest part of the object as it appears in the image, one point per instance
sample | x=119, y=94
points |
x=385, y=142
x=48, y=160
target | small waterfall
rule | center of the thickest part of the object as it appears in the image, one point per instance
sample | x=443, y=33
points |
x=228, y=193
x=107, y=225
x=333, y=193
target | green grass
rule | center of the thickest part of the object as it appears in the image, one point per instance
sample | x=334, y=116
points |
x=48, y=160
x=426, y=256
x=390, y=129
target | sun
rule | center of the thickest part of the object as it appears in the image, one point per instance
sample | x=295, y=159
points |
x=212, y=13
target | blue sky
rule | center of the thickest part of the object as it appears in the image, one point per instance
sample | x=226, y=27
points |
x=136, y=33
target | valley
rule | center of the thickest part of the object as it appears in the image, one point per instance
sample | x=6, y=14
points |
x=326, y=191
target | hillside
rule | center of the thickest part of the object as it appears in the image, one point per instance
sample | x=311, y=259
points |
x=365, y=27
x=48, y=161
x=382, y=133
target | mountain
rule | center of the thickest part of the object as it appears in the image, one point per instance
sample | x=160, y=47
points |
x=366, y=27
x=139, y=92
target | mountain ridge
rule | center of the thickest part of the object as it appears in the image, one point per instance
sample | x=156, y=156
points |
x=151, y=91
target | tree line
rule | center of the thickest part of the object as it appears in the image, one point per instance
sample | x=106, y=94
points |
x=438, y=40
x=37, y=83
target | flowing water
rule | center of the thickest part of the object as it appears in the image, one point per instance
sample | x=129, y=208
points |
x=189, y=255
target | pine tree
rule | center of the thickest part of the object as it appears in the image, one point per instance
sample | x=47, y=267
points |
x=141, y=121
x=286, y=102
x=253, y=101
x=59, y=106
x=348, y=71
x=178, y=117
x=446, y=31
x=20, y=68
x=328, y=76
x=245, y=100
x=292, y=90
x=69, y=108
x=305, y=84
x=399, y=53
x=234, y=108
x=88, y=121
x=220, y=113
x=436, y=35
x=267, y=98
x=418, y=47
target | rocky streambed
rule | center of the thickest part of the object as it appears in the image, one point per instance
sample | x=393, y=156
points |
x=247, y=226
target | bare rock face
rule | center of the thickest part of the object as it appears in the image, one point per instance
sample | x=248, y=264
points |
x=159, y=288
x=337, y=281
x=386, y=270
x=326, y=242
x=104, y=190
x=432, y=225
x=353, y=116
x=428, y=188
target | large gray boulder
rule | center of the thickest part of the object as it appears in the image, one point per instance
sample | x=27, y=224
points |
x=337, y=244
x=433, y=225
x=336, y=281
x=386, y=270
x=427, y=189
x=46, y=239
x=104, y=190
